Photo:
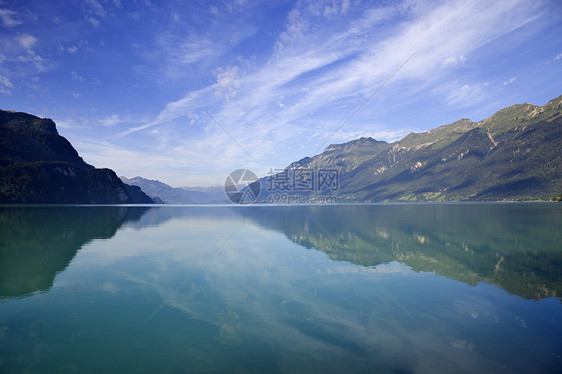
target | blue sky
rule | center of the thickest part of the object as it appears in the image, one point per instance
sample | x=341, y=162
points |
x=187, y=91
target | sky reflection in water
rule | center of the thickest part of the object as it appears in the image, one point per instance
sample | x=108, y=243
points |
x=383, y=288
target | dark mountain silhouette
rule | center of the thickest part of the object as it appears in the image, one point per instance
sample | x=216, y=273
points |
x=38, y=166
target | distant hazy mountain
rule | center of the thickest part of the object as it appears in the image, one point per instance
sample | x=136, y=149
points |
x=516, y=154
x=38, y=166
x=183, y=195
x=215, y=193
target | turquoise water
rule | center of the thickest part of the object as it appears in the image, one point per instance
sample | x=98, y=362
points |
x=377, y=288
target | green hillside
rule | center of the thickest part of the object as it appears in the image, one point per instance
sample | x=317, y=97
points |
x=515, y=154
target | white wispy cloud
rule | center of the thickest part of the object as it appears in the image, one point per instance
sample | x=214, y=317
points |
x=317, y=74
x=10, y=18
x=94, y=7
x=509, y=81
x=5, y=85
x=464, y=94
x=454, y=61
x=435, y=36
x=26, y=41
x=35, y=60
x=111, y=120
x=108, y=120
x=227, y=82
x=77, y=77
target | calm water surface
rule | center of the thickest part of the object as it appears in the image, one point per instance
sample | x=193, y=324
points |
x=380, y=288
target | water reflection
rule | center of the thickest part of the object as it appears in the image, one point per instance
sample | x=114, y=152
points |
x=224, y=290
x=515, y=246
x=37, y=243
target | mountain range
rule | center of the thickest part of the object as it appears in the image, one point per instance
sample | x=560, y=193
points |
x=163, y=193
x=38, y=166
x=516, y=154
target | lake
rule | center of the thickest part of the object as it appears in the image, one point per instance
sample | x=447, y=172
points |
x=397, y=288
